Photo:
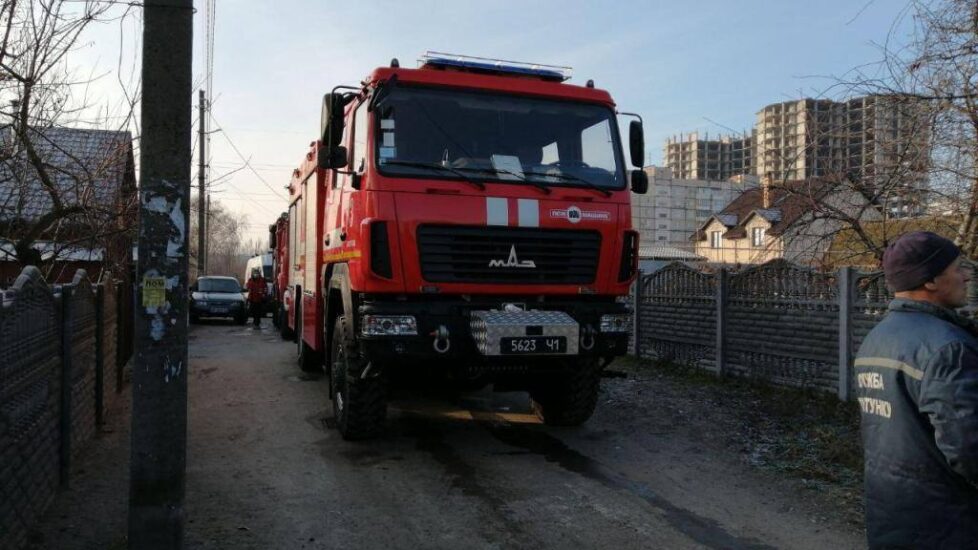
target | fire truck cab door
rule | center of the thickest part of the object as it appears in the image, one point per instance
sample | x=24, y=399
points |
x=340, y=195
x=337, y=186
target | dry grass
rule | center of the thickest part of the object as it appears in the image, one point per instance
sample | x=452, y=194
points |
x=803, y=434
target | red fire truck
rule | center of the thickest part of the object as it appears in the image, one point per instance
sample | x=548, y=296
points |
x=278, y=236
x=468, y=220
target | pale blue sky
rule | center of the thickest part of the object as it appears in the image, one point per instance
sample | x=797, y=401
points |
x=676, y=63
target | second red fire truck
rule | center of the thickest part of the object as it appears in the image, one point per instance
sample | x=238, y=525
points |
x=468, y=220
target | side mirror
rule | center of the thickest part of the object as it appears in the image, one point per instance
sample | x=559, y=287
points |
x=271, y=237
x=331, y=153
x=640, y=182
x=636, y=145
x=331, y=119
x=332, y=158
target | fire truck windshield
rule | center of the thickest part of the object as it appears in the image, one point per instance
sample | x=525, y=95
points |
x=437, y=133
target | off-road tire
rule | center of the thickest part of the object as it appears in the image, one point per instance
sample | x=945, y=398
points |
x=359, y=404
x=309, y=360
x=568, y=398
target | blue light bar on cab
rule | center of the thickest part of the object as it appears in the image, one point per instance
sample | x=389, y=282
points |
x=494, y=66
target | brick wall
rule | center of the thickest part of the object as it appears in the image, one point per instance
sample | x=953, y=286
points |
x=47, y=343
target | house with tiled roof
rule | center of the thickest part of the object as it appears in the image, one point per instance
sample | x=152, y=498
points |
x=68, y=201
x=793, y=220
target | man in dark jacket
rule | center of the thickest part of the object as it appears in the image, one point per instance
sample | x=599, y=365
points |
x=917, y=384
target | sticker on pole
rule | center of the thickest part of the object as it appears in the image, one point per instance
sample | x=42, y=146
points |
x=154, y=291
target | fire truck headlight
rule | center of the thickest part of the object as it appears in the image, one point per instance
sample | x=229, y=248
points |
x=389, y=325
x=615, y=322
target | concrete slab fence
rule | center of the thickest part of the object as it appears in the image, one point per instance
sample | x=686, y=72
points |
x=778, y=322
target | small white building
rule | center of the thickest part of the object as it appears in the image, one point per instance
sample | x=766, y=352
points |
x=673, y=208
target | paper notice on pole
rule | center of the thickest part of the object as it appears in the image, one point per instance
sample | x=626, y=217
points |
x=154, y=291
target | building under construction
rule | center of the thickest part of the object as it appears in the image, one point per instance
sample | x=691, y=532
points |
x=722, y=158
x=865, y=137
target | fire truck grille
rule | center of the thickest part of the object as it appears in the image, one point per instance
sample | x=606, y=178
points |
x=460, y=254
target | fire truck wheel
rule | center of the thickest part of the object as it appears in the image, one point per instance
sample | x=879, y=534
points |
x=359, y=404
x=283, y=324
x=309, y=360
x=568, y=399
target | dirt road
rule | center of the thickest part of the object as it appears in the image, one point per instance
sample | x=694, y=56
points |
x=266, y=471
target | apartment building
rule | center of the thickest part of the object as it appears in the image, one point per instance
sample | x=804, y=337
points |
x=674, y=208
x=888, y=145
x=800, y=139
x=692, y=158
x=867, y=138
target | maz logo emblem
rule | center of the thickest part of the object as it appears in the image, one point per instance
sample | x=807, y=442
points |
x=512, y=261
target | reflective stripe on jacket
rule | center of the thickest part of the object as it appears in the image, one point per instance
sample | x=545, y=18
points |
x=917, y=386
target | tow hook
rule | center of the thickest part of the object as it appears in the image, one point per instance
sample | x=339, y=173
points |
x=587, y=338
x=442, y=343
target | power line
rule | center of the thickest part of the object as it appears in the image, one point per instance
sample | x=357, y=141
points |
x=242, y=157
x=252, y=201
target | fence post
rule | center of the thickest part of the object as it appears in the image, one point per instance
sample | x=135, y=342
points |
x=637, y=316
x=66, y=386
x=721, y=299
x=121, y=324
x=99, y=354
x=846, y=280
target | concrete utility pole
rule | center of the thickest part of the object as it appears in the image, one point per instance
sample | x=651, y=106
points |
x=207, y=223
x=159, y=401
x=202, y=182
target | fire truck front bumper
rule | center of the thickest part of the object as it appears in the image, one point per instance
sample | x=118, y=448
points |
x=496, y=331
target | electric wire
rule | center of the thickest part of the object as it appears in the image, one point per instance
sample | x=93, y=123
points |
x=242, y=157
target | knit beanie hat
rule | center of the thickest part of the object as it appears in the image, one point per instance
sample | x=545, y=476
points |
x=916, y=258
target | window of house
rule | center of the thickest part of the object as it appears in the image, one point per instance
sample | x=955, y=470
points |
x=663, y=238
x=715, y=239
x=663, y=226
x=757, y=236
x=663, y=215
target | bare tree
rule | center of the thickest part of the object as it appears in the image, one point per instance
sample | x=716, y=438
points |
x=226, y=251
x=899, y=154
x=49, y=183
x=933, y=80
